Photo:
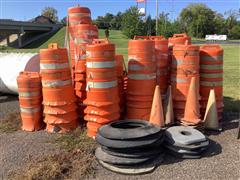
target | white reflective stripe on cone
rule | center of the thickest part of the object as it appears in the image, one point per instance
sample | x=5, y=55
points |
x=209, y=75
x=102, y=85
x=56, y=83
x=211, y=84
x=211, y=67
x=28, y=94
x=79, y=15
x=106, y=64
x=54, y=66
x=211, y=58
x=29, y=110
x=180, y=80
x=142, y=76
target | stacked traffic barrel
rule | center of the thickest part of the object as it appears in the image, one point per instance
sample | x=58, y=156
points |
x=102, y=86
x=141, y=78
x=77, y=15
x=162, y=63
x=30, y=100
x=81, y=34
x=211, y=76
x=120, y=76
x=58, y=93
x=185, y=65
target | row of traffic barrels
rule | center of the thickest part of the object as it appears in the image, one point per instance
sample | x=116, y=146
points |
x=58, y=93
x=102, y=86
x=81, y=33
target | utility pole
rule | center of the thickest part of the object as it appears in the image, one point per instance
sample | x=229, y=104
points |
x=156, y=17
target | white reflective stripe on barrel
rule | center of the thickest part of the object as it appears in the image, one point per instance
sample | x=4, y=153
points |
x=54, y=66
x=182, y=62
x=105, y=53
x=88, y=32
x=81, y=40
x=134, y=58
x=142, y=76
x=211, y=84
x=136, y=67
x=56, y=83
x=209, y=75
x=29, y=110
x=79, y=15
x=211, y=58
x=106, y=64
x=211, y=67
x=28, y=94
x=102, y=85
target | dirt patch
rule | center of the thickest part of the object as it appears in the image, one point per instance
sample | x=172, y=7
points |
x=74, y=161
x=10, y=123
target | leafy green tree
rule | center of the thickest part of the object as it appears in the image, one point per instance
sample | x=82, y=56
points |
x=115, y=23
x=132, y=24
x=51, y=13
x=198, y=20
x=64, y=21
x=234, y=33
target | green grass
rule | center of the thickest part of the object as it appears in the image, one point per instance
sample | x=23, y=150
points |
x=231, y=61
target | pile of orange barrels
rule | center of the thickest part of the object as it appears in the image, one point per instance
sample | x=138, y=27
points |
x=185, y=65
x=102, y=86
x=30, y=100
x=211, y=76
x=58, y=93
x=141, y=78
x=81, y=33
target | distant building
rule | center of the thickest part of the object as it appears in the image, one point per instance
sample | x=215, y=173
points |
x=43, y=20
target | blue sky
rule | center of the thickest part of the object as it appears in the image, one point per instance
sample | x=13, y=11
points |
x=26, y=9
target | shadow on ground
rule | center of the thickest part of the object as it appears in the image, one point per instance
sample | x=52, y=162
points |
x=7, y=98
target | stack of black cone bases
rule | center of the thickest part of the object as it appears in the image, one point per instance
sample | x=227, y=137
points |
x=185, y=142
x=130, y=146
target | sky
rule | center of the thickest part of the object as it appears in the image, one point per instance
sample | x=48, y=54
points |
x=27, y=9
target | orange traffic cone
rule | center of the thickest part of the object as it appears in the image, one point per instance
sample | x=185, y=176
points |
x=168, y=107
x=192, y=108
x=211, y=115
x=156, y=115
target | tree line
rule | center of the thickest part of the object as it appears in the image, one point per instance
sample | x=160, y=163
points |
x=196, y=19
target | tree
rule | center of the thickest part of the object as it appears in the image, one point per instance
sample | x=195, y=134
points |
x=64, y=21
x=51, y=13
x=198, y=19
x=234, y=33
x=132, y=24
x=116, y=21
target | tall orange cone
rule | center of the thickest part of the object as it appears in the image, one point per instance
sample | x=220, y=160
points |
x=168, y=108
x=192, y=108
x=156, y=115
x=211, y=115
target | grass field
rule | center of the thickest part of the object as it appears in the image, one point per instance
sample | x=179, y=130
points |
x=231, y=62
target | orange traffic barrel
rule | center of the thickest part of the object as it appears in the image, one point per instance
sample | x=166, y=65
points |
x=92, y=128
x=119, y=64
x=102, y=84
x=179, y=39
x=79, y=15
x=58, y=92
x=185, y=65
x=141, y=79
x=211, y=75
x=30, y=100
x=162, y=62
x=62, y=128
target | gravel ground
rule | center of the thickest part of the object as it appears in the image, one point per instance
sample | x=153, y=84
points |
x=8, y=103
x=221, y=161
x=18, y=148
